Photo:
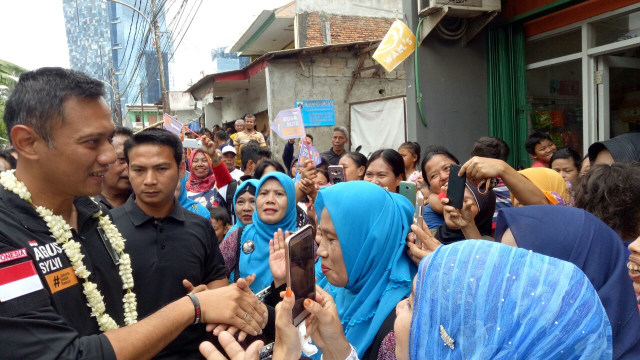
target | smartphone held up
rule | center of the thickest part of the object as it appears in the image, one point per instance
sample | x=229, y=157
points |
x=300, y=259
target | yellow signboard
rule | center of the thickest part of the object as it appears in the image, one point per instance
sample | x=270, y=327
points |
x=396, y=46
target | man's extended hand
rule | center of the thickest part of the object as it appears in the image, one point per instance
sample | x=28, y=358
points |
x=232, y=348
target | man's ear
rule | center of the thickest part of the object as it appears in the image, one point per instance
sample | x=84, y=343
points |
x=226, y=228
x=182, y=169
x=26, y=142
x=251, y=166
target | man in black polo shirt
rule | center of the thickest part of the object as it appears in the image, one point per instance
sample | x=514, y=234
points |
x=116, y=187
x=168, y=243
x=338, y=141
x=61, y=126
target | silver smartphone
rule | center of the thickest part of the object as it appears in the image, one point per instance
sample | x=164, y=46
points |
x=418, y=217
x=300, y=258
x=192, y=143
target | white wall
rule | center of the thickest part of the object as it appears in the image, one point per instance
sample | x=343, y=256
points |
x=325, y=77
x=372, y=8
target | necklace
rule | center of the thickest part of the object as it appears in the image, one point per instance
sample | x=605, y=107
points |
x=61, y=232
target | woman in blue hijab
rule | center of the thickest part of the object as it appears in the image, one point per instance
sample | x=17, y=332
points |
x=363, y=257
x=482, y=300
x=579, y=237
x=189, y=204
x=275, y=209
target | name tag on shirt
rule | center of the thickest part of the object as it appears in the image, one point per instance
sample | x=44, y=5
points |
x=18, y=280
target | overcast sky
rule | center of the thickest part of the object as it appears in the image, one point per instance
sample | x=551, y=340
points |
x=33, y=33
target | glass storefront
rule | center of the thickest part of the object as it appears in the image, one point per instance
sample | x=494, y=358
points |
x=583, y=81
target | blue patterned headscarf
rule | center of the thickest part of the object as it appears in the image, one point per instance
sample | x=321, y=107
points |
x=239, y=224
x=577, y=236
x=372, y=225
x=500, y=302
x=260, y=233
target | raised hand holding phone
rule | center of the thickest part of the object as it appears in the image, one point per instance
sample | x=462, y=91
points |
x=427, y=243
x=455, y=187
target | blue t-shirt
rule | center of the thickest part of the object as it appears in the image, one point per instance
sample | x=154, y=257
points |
x=432, y=218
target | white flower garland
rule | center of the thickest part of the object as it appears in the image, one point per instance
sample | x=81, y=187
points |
x=61, y=231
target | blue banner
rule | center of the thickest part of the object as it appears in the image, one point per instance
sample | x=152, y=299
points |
x=317, y=112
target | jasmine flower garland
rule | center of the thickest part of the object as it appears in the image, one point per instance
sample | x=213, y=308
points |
x=61, y=231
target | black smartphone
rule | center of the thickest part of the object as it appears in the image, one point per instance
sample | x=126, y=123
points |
x=455, y=189
x=336, y=174
x=300, y=257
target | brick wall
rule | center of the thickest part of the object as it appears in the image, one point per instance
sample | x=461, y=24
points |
x=343, y=29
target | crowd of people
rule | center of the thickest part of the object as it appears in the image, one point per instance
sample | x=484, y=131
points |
x=125, y=245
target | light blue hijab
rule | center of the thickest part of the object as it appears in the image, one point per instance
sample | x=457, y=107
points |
x=500, y=302
x=372, y=225
x=239, y=224
x=189, y=204
x=260, y=233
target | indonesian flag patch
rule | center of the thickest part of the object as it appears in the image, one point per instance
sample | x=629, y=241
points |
x=18, y=280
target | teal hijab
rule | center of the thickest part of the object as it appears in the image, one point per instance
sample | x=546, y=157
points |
x=372, y=226
x=260, y=233
x=239, y=224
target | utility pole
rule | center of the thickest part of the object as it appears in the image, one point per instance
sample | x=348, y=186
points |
x=142, y=104
x=156, y=32
x=116, y=96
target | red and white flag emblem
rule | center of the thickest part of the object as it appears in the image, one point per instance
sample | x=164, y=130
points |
x=17, y=280
x=32, y=243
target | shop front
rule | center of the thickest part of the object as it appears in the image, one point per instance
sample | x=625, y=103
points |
x=571, y=69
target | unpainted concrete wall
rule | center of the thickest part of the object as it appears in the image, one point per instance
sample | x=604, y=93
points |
x=251, y=100
x=212, y=114
x=324, y=77
x=453, y=83
x=373, y=8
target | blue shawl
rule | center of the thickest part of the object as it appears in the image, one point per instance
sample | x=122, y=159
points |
x=500, y=302
x=579, y=237
x=260, y=233
x=372, y=226
x=239, y=224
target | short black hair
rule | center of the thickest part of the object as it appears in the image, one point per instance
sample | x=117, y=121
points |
x=264, y=164
x=124, y=131
x=221, y=214
x=414, y=148
x=310, y=137
x=6, y=155
x=155, y=136
x=429, y=153
x=392, y=158
x=535, y=139
x=248, y=116
x=568, y=153
x=222, y=135
x=612, y=193
x=37, y=100
x=254, y=153
x=491, y=147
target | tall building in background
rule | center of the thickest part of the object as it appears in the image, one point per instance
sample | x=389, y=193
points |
x=225, y=61
x=103, y=35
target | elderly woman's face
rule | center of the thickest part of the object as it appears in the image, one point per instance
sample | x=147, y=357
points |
x=200, y=166
x=330, y=253
x=402, y=325
x=272, y=201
